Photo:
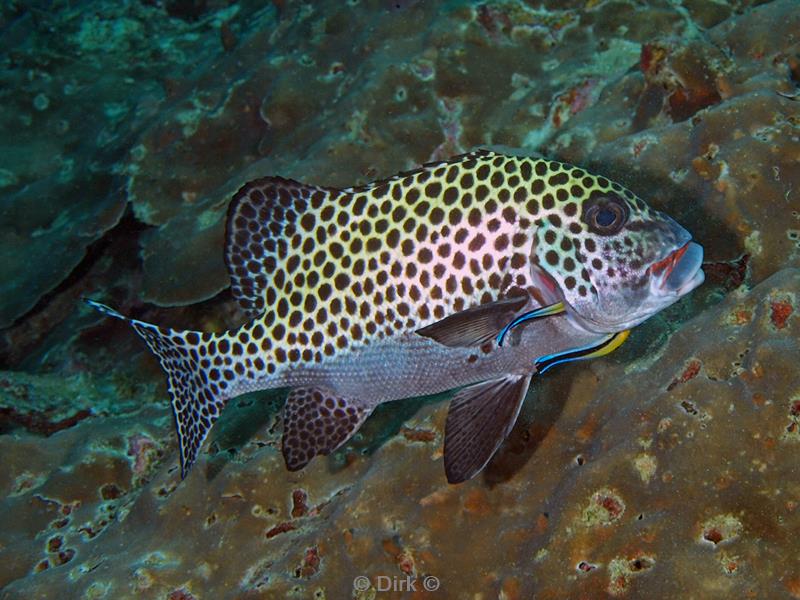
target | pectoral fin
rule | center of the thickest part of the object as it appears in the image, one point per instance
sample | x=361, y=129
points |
x=474, y=326
x=603, y=346
x=315, y=421
x=479, y=419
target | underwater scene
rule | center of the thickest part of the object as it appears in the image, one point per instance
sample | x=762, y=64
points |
x=370, y=299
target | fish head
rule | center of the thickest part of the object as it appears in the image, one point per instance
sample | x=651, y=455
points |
x=613, y=260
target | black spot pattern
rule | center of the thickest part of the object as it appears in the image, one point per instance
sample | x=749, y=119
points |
x=308, y=258
x=323, y=270
x=316, y=422
x=260, y=217
x=201, y=376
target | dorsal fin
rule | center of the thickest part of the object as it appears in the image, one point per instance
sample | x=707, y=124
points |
x=262, y=218
x=281, y=233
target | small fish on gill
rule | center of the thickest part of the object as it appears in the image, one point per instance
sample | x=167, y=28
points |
x=474, y=273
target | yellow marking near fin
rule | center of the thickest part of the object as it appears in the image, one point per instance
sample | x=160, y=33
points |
x=544, y=311
x=605, y=346
x=615, y=342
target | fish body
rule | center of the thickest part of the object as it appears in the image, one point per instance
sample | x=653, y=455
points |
x=473, y=273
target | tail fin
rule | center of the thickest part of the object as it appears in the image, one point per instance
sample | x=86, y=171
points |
x=200, y=378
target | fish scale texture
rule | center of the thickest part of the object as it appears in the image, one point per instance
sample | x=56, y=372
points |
x=664, y=471
x=327, y=270
x=608, y=494
x=305, y=261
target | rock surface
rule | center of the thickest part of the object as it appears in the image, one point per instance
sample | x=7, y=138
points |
x=665, y=470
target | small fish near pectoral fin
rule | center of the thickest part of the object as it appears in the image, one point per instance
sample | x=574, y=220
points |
x=531, y=315
x=479, y=419
x=605, y=345
x=474, y=326
x=197, y=400
x=315, y=422
x=263, y=214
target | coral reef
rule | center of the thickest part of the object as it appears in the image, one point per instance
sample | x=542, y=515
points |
x=663, y=468
x=643, y=486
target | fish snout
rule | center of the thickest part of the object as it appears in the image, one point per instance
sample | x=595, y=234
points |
x=679, y=272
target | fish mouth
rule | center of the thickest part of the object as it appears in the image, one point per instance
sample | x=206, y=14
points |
x=680, y=271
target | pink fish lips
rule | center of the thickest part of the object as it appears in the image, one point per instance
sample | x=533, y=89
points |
x=680, y=271
x=476, y=274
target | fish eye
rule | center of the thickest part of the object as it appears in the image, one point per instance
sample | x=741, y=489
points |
x=606, y=215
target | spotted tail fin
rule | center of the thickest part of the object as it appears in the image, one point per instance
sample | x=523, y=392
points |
x=198, y=395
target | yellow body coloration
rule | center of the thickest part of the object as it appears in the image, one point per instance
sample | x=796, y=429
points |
x=342, y=268
x=472, y=273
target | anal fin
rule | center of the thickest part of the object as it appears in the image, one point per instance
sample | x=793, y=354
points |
x=316, y=421
x=479, y=419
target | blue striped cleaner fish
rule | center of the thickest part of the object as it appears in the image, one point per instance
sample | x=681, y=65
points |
x=474, y=274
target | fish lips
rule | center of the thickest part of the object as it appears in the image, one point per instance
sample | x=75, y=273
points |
x=679, y=272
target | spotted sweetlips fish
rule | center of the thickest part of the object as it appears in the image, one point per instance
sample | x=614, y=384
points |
x=473, y=273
